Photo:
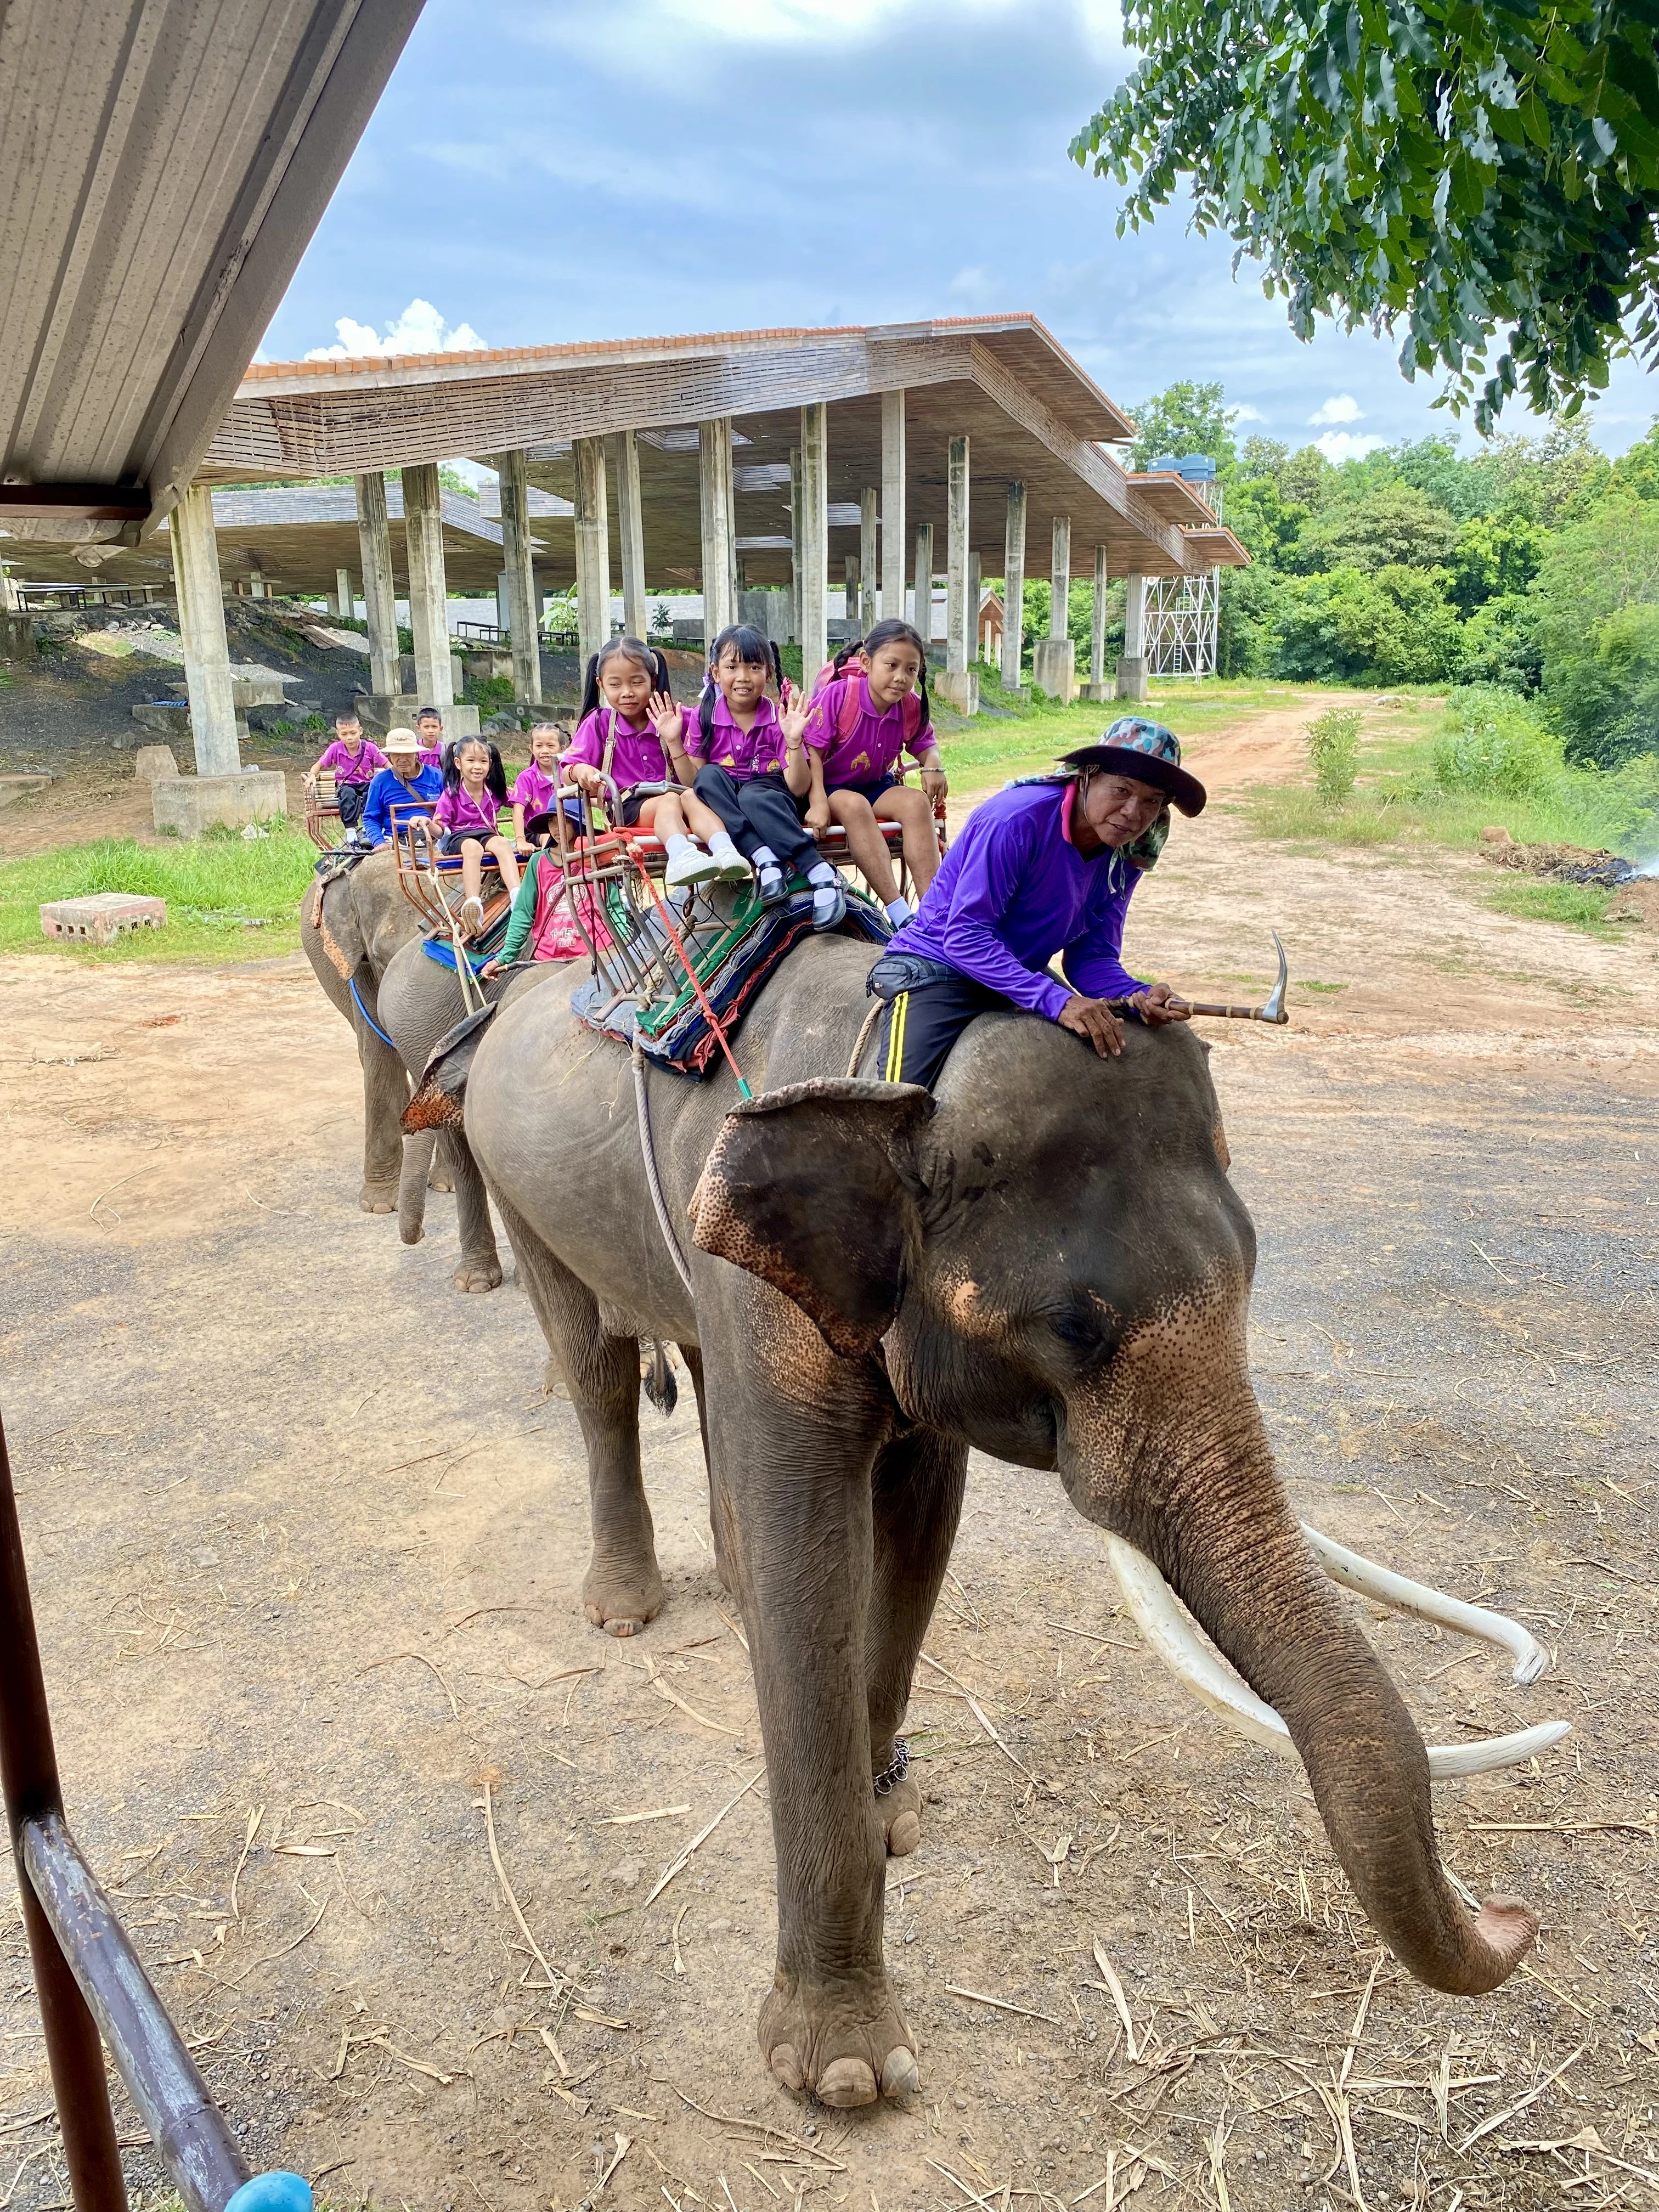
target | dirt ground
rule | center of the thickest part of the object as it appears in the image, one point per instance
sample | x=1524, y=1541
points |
x=306, y=1538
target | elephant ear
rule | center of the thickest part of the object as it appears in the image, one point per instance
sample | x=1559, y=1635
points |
x=813, y=1188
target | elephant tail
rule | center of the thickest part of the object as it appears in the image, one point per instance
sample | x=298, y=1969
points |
x=660, y=1388
x=440, y=1099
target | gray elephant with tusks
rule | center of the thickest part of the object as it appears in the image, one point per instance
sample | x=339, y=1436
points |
x=1045, y=1259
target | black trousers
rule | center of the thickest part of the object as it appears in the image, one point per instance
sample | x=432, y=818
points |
x=758, y=810
x=350, y=798
x=923, y=1024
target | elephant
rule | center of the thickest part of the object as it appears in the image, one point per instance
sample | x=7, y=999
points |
x=351, y=925
x=1044, y=1259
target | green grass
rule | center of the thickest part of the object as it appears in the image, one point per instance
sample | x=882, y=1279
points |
x=228, y=898
x=1580, y=906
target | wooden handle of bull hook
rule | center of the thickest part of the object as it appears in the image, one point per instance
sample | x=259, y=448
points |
x=1210, y=1013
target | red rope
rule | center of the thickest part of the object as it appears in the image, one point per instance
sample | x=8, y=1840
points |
x=710, y=1015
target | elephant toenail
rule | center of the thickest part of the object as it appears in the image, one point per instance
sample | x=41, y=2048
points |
x=901, y=2076
x=785, y=2066
x=629, y=1627
x=904, y=1835
x=847, y=2082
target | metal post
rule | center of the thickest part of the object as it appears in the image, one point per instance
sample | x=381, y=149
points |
x=630, y=518
x=814, y=539
x=28, y=1770
x=521, y=620
x=379, y=591
x=892, y=507
x=593, y=550
x=1013, y=588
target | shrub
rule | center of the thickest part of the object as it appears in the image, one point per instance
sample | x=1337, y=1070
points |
x=1333, y=749
x=1492, y=741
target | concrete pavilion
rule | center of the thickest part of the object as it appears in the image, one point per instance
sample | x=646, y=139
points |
x=887, y=454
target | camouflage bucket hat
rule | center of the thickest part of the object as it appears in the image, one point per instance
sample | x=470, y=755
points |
x=1132, y=746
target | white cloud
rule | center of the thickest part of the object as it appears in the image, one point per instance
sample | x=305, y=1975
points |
x=419, y=329
x=1340, y=446
x=1246, y=415
x=1343, y=408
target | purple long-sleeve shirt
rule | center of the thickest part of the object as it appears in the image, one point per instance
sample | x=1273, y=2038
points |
x=1013, y=890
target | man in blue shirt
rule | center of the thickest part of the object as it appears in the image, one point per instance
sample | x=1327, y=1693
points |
x=404, y=782
x=1045, y=867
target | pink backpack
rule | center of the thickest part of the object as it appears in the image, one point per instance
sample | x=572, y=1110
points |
x=847, y=720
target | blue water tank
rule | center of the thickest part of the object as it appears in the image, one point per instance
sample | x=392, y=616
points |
x=1196, y=467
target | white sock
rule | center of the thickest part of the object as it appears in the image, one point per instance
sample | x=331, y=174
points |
x=898, y=912
x=677, y=843
x=765, y=856
x=821, y=874
x=720, y=846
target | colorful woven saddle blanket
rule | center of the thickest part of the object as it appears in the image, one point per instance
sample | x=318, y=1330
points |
x=733, y=959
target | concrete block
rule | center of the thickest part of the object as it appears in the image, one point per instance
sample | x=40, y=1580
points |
x=101, y=918
x=1054, y=668
x=381, y=711
x=20, y=786
x=261, y=691
x=1132, y=679
x=151, y=762
x=406, y=671
x=1098, y=694
x=168, y=717
x=188, y=804
x=959, y=689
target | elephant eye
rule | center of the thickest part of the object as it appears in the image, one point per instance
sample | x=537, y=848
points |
x=1078, y=1330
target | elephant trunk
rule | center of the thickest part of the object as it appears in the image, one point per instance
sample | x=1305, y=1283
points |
x=1200, y=1495
x=411, y=1185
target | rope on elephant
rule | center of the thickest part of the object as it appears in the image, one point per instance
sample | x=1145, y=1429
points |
x=870, y=1021
x=641, y=1101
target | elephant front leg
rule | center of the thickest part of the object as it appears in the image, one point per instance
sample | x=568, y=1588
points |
x=799, y=1479
x=916, y=1497
x=622, y=1589
x=479, y=1268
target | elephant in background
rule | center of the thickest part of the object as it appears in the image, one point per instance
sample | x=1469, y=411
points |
x=350, y=926
x=1045, y=1261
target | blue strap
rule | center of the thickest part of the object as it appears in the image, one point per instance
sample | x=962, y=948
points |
x=358, y=1000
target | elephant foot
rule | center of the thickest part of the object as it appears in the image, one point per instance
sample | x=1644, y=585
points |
x=846, y=2044
x=483, y=1271
x=899, y=1814
x=379, y=1197
x=621, y=1599
x=439, y=1180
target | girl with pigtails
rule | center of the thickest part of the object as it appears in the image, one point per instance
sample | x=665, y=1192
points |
x=752, y=769
x=871, y=708
x=627, y=693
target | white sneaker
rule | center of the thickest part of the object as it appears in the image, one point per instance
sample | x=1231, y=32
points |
x=731, y=866
x=692, y=866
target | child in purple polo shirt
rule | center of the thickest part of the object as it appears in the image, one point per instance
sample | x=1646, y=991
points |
x=356, y=763
x=858, y=723
x=429, y=729
x=532, y=790
x=474, y=794
x=631, y=731
x=752, y=772
x=1046, y=866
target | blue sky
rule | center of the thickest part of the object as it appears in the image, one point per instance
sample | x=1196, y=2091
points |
x=539, y=171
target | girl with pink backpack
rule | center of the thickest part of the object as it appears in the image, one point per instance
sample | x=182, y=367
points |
x=873, y=708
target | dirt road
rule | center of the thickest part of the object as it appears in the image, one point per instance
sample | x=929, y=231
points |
x=306, y=1538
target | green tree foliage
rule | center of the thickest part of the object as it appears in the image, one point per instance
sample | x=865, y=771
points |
x=1466, y=177
x=1188, y=418
x=1598, y=628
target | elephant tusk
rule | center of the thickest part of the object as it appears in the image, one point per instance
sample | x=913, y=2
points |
x=1355, y=1572
x=1153, y=1607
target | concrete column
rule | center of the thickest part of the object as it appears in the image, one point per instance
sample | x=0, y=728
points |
x=924, y=581
x=519, y=617
x=1054, y=664
x=202, y=629
x=379, y=591
x=869, y=507
x=593, y=550
x=850, y=594
x=256, y=587
x=428, y=595
x=630, y=516
x=345, y=599
x=975, y=593
x=720, y=551
x=814, y=538
x=1132, y=668
x=892, y=507
x=1097, y=688
x=795, y=560
x=960, y=682
x=1013, y=588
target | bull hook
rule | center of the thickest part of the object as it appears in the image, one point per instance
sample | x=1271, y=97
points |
x=1273, y=1010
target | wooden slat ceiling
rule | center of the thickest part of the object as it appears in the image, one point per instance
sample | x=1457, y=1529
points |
x=1030, y=413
